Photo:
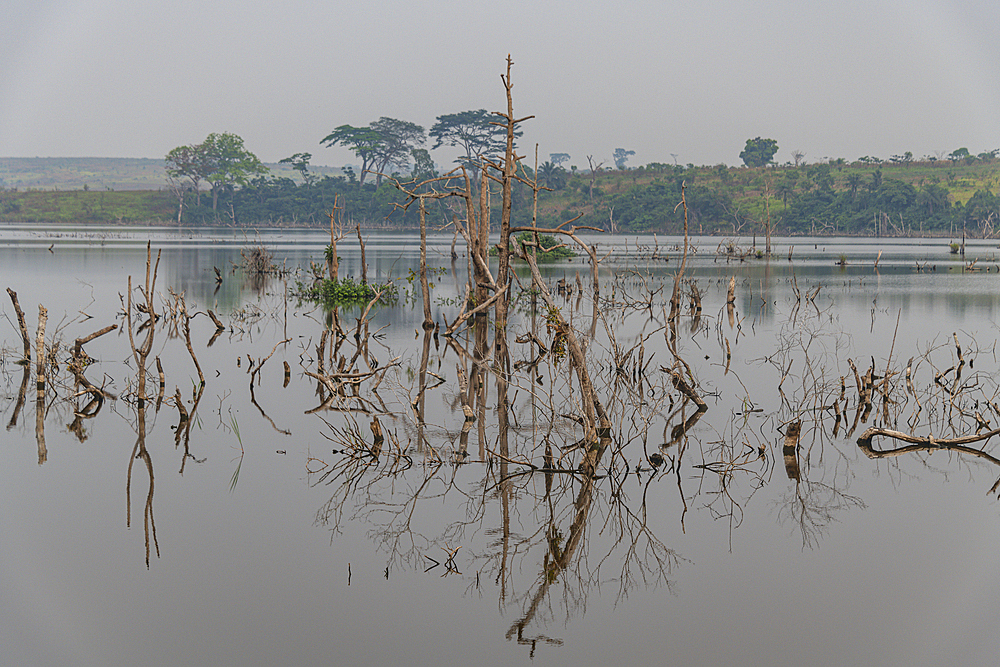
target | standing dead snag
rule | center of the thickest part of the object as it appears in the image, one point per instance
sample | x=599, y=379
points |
x=43, y=316
x=336, y=234
x=141, y=354
x=790, y=450
x=21, y=324
x=508, y=175
x=364, y=262
x=477, y=236
x=675, y=297
x=424, y=287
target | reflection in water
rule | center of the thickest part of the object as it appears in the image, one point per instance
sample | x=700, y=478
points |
x=582, y=463
x=141, y=354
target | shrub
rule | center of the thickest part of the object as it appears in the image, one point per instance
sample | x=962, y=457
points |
x=344, y=292
x=546, y=241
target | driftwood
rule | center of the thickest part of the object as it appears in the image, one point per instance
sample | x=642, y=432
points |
x=928, y=444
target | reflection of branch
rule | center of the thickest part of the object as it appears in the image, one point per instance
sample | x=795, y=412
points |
x=25, y=376
x=813, y=508
x=253, y=398
x=928, y=444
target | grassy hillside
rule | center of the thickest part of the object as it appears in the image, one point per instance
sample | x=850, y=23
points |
x=94, y=206
x=98, y=173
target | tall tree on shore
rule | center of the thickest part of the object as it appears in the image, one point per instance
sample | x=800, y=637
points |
x=621, y=156
x=476, y=133
x=363, y=141
x=397, y=140
x=386, y=143
x=558, y=158
x=187, y=162
x=300, y=163
x=230, y=163
x=221, y=160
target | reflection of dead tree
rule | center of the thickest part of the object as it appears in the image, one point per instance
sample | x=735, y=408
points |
x=21, y=396
x=561, y=552
x=253, y=375
x=76, y=366
x=813, y=506
x=596, y=421
x=140, y=354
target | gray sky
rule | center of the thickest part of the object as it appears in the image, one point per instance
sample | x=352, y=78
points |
x=695, y=79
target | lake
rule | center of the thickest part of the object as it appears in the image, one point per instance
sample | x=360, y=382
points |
x=254, y=519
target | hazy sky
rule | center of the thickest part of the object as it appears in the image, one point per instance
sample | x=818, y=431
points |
x=693, y=79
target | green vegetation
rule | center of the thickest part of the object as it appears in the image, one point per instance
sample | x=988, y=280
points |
x=759, y=152
x=87, y=206
x=552, y=250
x=901, y=196
x=221, y=161
x=385, y=143
x=344, y=292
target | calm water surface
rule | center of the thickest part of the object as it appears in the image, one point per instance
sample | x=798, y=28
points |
x=267, y=547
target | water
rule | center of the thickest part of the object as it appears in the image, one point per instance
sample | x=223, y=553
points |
x=269, y=548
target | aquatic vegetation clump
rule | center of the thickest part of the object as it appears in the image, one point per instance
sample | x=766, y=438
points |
x=344, y=291
x=257, y=260
x=549, y=249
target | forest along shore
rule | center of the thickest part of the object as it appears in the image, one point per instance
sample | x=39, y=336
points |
x=862, y=198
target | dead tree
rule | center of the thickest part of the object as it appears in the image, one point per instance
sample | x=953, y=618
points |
x=336, y=234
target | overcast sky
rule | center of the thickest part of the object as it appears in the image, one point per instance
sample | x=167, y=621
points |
x=691, y=79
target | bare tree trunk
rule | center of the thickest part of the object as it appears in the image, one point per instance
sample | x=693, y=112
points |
x=364, y=263
x=336, y=233
x=424, y=287
x=483, y=241
x=43, y=316
x=21, y=324
x=507, y=181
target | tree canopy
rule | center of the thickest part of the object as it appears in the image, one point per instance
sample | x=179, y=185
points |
x=621, y=156
x=221, y=159
x=759, y=152
x=558, y=158
x=387, y=142
x=474, y=132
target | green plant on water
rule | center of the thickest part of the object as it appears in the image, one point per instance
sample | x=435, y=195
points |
x=344, y=291
x=842, y=260
x=954, y=247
